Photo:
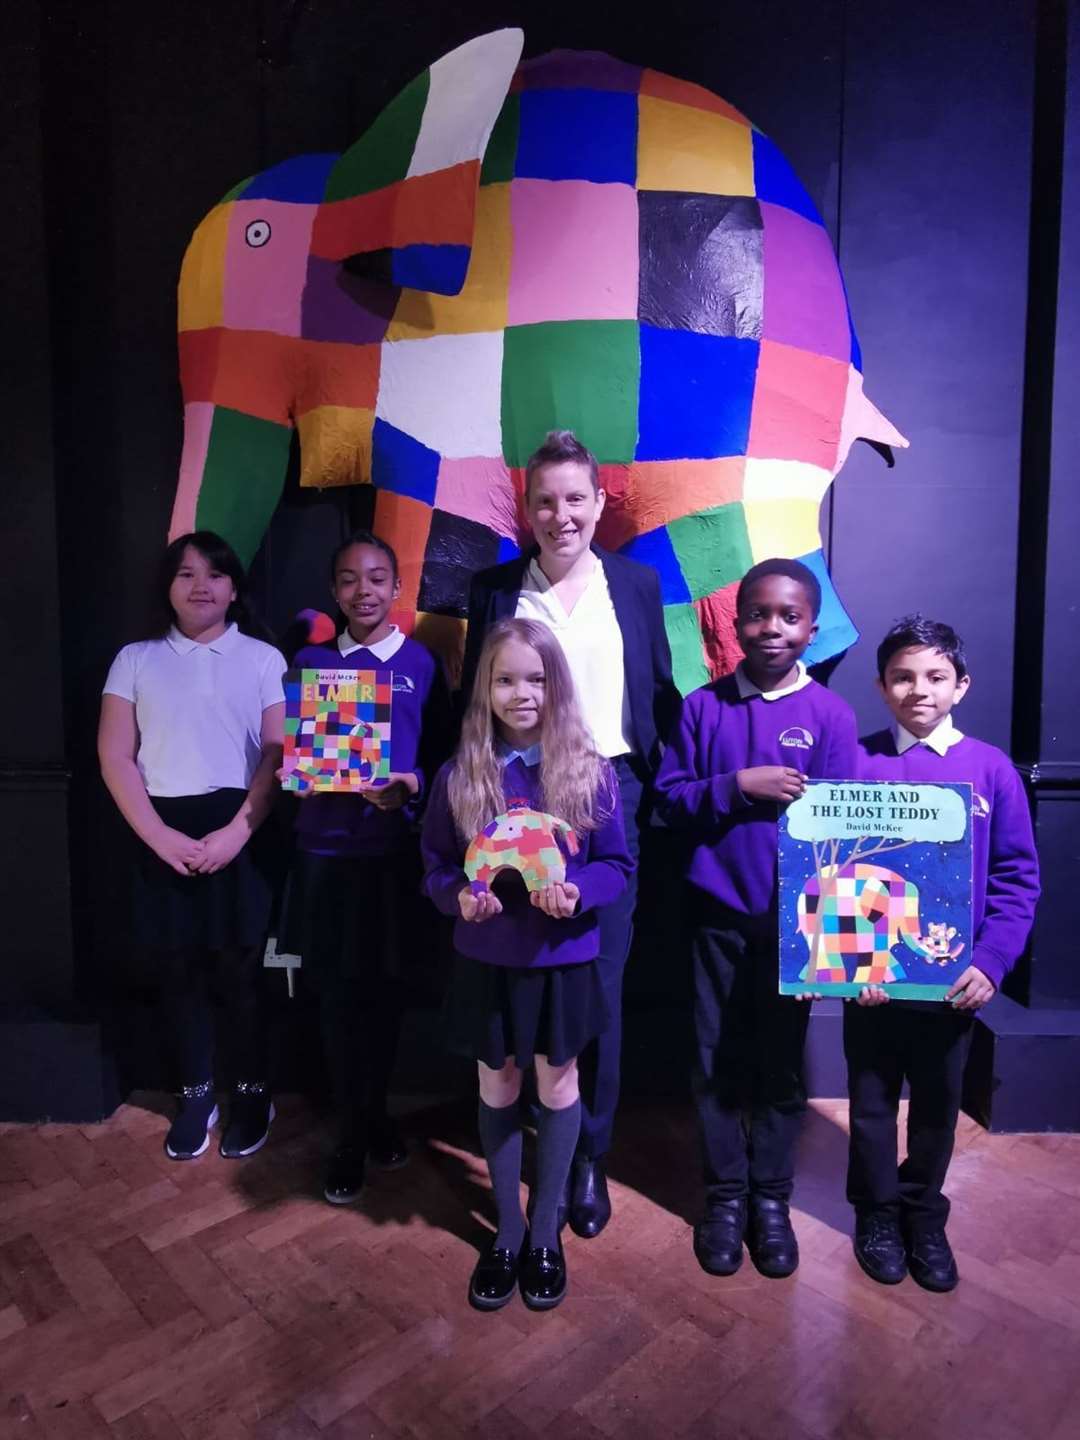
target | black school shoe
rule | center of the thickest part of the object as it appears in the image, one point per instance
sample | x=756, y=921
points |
x=495, y=1278
x=543, y=1277
x=879, y=1248
x=250, y=1117
x=590, y=1204
x=931, y=1261
x=344, y=1175
x=718, y=1236
x=386, y=1148
x=771, y=1238
x=188, y=1135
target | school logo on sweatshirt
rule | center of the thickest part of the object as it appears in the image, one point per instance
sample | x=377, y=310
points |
x=403, y=683
x=797, y=738
x=980, y=806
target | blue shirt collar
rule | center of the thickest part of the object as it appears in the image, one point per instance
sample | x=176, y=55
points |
x=507, y=754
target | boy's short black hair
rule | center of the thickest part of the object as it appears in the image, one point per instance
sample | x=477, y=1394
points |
x=793, y=569
x=916, y=632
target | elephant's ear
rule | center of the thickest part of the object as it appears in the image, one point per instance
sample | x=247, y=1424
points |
x=406, y=192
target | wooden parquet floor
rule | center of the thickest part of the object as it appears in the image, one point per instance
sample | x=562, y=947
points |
x=145, y=1300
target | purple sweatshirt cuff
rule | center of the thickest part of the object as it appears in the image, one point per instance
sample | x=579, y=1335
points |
x=992, y=966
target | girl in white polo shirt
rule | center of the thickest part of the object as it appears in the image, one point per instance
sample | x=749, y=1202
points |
x=190, y=736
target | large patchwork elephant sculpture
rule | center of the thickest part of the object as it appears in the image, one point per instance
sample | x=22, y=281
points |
x=571, y=242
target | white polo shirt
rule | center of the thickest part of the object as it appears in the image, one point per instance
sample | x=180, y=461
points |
x=198, y=707
x=593, y=645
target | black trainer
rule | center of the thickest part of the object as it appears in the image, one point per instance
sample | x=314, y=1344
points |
x=250, y=1116
x=771, y=1238
x=344, y=1175
x=718, y=1236
x=879, y=1248
x=931, y=1261
x=188, y=1135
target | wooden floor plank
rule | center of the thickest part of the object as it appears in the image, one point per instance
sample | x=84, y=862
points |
x=145, y=1300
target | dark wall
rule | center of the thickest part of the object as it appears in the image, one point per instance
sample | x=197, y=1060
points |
x=914, y=128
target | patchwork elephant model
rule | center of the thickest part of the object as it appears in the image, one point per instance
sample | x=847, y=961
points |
x=524, y=840
x=854, y=915
x=572, y=242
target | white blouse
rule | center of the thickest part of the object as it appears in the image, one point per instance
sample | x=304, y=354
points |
x=199, y=708
x=593, y=645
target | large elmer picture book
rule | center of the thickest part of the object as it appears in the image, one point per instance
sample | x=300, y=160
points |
x=875, y=888
x=337, y=729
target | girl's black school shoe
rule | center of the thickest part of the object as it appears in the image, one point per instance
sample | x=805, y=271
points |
x=543, y=1277
x=189, y=1133
x=495, y=1278
x=250, y=1117
x=344, y=1175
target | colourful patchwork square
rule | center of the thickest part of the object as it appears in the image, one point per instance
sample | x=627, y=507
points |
x=776, y=182
x=265, y=265
x=697, y=393
x=481, y=304
x=480, y=489
x=581, y=375
x=456, y=549
x=680, y=148
x=655, y=548
x=578, y=135
x=687, y=657
x=805, y=305
x=401, y=464
x=445, y=392
x=700, y=263
x=716, y=615
x=575, y=251
x=712, y=547
x=780, y=527
x=798, y=405
x=656, y=491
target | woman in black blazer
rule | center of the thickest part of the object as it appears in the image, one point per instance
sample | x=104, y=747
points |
x=597, y=602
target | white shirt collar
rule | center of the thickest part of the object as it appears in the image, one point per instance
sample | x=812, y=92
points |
x=184, y=645
x=383, y=649
x=942, y=738
x=507, y=754
x=747, y=689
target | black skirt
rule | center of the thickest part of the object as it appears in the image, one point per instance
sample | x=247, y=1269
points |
x=224, y=911
x=494, y=1012
x=354, y=918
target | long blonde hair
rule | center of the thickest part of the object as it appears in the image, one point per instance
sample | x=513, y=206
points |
x=572, y=772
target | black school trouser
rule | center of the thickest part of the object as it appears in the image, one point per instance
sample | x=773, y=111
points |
x=748, y=1081
x=927, y=1045
x=600, y=1063
x=210, y=1004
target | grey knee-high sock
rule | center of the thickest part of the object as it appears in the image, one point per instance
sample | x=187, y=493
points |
x=500, y=1136
x=556, y=1136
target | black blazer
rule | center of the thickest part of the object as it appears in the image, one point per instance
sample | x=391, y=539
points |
x=635, y=594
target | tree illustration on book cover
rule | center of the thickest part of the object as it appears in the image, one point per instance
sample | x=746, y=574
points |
x=851, y=917
x=337, y=729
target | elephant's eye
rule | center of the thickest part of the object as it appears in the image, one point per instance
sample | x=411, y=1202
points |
x=257, y=233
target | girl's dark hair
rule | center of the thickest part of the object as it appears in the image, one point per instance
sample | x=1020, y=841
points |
x=362, y=537
x=220, y=555
x=915, y=631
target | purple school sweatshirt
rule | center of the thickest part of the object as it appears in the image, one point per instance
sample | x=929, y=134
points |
x=1005, y=866
x=719, y=733
x=523, y=936
x=349, y=825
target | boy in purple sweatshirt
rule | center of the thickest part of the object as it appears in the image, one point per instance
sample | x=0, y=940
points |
x=900, y=1213
x=744, y=746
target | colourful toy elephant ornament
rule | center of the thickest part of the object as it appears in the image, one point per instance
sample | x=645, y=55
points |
x=524, y=840
x=855, y=914
x=571, y=242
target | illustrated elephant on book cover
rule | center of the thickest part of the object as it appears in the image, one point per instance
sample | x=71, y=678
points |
x=571, y=241
x=854, y=915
